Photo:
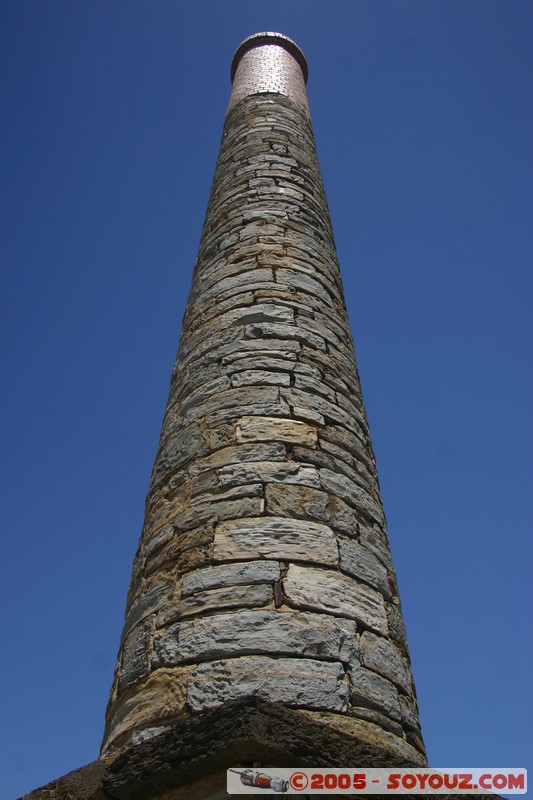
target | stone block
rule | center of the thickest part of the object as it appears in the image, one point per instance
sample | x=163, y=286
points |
x=247, y=348
x=303, y=283
x=358, y=562
x=289, y=472
x=259, y=377
x=254, y=596
x=235, y=399
x=183, y=446
x=278, y=330
x=276, y=429
x=135, y=660
x=302, y=412
x=314, y=386
x=300, y=682
x=230, y=575
x=296, y=501
x=275, y=537
x=214, y=511
x=150, y=598
x=375, y=539
x=372, y=691
x=331, y=591
x=382, y=656
x=241, y=453
x=330, y=411
x=196, y=398
x=349, y=491
x=373, y=716
x=161, y=697
x=397, y=625
x=283, y=366
x=409, y=710
x=259, y=312
x=260, y=632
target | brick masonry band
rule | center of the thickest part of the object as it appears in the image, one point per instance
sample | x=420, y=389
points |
x=263, y=573
x=269, y=63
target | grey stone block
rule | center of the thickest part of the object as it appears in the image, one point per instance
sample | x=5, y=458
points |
x=135, y=655
x=149, y=599
x=254, y=596
x=300, y=682
x=382, y=656
x=275, y=537
x=352, y=493
x=258, y=377
x=297, y=501
x=275, y=429
x=257, y=313
x=372, y=691
x=258, y=632
x=290, y=472
x=247, y=572
x=331, y=591
x=358, y=562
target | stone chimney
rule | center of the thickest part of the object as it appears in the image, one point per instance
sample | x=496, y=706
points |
x=263, y=623
x=263, y=571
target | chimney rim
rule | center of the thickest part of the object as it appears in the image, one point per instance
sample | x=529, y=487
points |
x=265, y=38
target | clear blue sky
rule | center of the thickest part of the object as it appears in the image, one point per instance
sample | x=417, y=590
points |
x=112, y=116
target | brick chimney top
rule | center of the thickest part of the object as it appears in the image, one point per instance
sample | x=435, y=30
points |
x=269, y=37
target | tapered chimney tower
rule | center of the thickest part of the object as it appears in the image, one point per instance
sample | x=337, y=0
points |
x=263, y=622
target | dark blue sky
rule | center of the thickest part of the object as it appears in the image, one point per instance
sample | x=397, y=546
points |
x=112, y=116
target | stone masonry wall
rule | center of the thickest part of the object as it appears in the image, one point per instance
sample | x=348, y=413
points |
x=264, y=569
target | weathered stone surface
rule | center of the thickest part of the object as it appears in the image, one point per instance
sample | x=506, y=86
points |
x=296, y=501
x=397, y=625
x=241, y=453
x=409, y=710
x=300, y=682
x=306, y=284
x=82, y=784
x=205, y=489
x=213, y=511
x=258, y=377
x=267, y=363
x=260, y=312
x=373, y=691
x=160, y=697
x=135, y=659
x=237, y=574
x=330, y=411
x=330, y=591
x=235, y=398
x=375, y=539
x=254, y=596
x=312, y=385
x=321, y=459
x=380, y=655
x=289, y=472
x=148, y=600
x=265, y=429
x=371, y=715
x=278, y=330
x=358, y=562
x=186, y=444
x=278, y=633
x=250, y=280
x=205, y=390
x=158, y=540
x=353, y=494
x=246, y=348
x=275, y=537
